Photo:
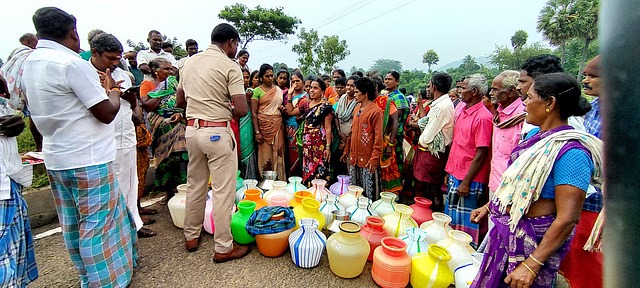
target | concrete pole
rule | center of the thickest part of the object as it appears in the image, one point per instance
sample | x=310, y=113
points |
x=620, y=64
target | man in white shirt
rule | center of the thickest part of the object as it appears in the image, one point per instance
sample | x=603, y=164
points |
x=73, y=112
x=18, y=259
x=155, y=51
x=435, y=140
x=106, y=52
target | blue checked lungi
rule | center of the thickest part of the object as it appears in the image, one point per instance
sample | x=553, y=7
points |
x=17, y=257
x=459, y=208
x=96, y=225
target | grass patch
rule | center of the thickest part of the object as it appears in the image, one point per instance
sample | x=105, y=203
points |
x=25, y=139
x=26, y=144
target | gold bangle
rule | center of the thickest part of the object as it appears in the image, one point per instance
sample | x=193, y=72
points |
x=530, y=270
x=536, y=260
x=487, y=207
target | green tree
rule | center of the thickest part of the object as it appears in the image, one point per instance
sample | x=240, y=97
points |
x=178, y=51
x=506, y=59
x=331, y=51
x=470, y=66
x=317, y=55
x=385, y=66
x=413, y=80
x=354, y=69
x=587, y=18
x=137, y=46
x=305, y=50
x=558, y=24
x=519, y=39
x=430, y=58
x=575, y=49
x=259, y=23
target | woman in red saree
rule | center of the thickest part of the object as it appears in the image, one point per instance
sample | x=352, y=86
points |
x=266, y=106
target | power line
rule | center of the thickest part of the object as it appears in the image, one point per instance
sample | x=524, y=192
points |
x=341, y=12
x=346, y=13
x=376, y=17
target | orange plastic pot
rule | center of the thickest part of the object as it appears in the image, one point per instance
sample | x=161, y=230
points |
x=391, y=264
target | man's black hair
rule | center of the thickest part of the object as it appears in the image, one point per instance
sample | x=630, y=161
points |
x=442, y=82
x=105, y=42
x=542, y=64
x=341, y=81
x=340, y=71
x=223, y=33
x=190, y=42
x=53, y=23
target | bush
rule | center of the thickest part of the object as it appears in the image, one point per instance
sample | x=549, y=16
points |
x=26, y=144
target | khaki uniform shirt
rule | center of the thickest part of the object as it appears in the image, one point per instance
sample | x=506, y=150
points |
x=209, y=79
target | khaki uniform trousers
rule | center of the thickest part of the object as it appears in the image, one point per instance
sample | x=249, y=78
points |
x=217, y=159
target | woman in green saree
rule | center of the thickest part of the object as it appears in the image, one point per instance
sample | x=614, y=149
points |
x=167, y=126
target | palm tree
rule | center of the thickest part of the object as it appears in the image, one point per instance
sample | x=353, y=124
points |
x=587, y=16
x=558, y=24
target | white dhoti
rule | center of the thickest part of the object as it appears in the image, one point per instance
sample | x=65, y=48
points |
x=127, y=173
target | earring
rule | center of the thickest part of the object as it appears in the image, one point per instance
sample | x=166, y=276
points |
x=547, y=110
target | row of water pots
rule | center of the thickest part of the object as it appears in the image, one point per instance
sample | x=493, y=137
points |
x=373, y=221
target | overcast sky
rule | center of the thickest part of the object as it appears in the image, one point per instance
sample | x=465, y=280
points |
x=400, y=29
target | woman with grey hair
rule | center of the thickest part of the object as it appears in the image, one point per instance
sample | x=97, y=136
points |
x=167, y=121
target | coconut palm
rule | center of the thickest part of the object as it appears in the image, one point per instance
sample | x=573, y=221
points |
x=587, y=18
x=558, y=23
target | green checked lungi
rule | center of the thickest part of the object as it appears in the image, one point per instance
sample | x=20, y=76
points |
x=96, y=225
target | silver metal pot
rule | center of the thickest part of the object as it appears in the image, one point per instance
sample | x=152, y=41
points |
x=337, y=217
x=267, y=180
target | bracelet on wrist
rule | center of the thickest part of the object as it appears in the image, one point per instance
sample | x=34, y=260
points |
x=530, y=270
x=487, y=207
x=536, y=260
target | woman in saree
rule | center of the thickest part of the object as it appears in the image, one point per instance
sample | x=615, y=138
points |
x=389, y=171
x=538, y=203
x=343, y=119
x=296, y=96
x=284, y=82
x=248, y=156
x=158, y=98
x=254, y=81
x=315, y=133
x=266, y=107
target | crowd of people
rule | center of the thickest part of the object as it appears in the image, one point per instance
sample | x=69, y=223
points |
x=514, y=161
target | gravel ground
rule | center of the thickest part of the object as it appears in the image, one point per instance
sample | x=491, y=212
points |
x=163, y=262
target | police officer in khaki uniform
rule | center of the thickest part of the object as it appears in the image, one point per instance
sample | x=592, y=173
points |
x=209, y=83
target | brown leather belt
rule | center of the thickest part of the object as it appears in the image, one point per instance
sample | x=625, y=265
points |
x=204, y=123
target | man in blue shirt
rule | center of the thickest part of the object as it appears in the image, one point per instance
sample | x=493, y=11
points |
x=591, y=84
x=582, y=268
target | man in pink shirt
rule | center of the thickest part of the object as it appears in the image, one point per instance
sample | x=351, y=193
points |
x=507, y=123
x=468, y=164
